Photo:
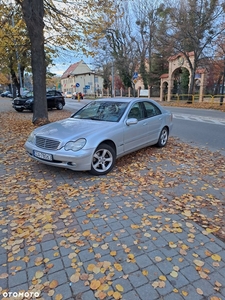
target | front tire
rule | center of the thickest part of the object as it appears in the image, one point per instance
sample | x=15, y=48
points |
x=19, y=109
x=163, y=138
x=103, y=160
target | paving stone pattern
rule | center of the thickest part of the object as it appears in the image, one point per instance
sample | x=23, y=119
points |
x=62, y=230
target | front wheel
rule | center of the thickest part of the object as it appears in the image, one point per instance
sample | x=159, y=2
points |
x=163, y=138
x=19, y=109
x=103, y=160
x=59, y=106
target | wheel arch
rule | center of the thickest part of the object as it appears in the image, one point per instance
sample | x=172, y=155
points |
x=110, y=143
x=168, y=129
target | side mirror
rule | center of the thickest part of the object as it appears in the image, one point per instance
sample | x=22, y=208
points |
x=131, y=121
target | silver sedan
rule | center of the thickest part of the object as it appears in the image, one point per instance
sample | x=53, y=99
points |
x=103, y=130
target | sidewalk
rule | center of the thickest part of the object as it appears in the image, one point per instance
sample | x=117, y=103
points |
x=146, y=231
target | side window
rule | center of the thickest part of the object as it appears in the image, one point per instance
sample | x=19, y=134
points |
x=151, y=110
x=50, y=93
x=136, y=112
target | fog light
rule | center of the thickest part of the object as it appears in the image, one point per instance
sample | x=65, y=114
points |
x=72, y=164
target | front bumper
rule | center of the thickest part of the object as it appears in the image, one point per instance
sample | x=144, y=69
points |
x=76, y=161
x=21, y=106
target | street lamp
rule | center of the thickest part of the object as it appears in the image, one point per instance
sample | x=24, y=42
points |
x=112, y=94
x=222, y=91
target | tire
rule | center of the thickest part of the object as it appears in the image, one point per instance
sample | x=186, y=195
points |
x=103, y=160
x=59, y=106
x=19, y=109
x=163, y=138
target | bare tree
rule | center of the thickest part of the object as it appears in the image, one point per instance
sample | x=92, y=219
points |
x=192, y=25
x=120, y=44
x=147, y=19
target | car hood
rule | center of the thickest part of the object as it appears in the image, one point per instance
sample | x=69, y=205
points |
x=70, y=128
x=23, y=98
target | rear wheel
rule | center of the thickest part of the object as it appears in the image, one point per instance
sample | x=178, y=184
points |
x=59, y=106
x=103, y=160
x=163, y=138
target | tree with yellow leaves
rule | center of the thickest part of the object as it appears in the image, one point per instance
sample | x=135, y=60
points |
x=73, y=25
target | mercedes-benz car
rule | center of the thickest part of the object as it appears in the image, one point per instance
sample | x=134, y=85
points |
x=55, y=99
x=103, y=130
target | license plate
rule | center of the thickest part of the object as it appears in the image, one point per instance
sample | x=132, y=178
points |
x=42, y=155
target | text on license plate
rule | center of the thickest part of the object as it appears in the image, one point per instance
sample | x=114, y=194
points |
x=42, y=155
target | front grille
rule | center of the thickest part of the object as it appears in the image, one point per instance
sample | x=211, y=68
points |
x=46, y=143
x=19, y=102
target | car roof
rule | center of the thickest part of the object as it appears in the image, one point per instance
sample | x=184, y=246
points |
x=128, y=100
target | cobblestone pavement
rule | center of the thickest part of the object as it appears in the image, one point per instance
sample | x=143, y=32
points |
x=69, y=235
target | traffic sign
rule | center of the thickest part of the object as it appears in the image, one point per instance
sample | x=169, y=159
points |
x=77, y=84
x=135, y=75
x=87, y=87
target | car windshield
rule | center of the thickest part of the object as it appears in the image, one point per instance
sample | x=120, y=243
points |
x=27, y=95
x=110, y=111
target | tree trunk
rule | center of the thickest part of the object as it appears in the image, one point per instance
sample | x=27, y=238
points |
x=33, y=11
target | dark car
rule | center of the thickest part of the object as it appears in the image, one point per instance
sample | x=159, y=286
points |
x=55, y=99
x=6, y=94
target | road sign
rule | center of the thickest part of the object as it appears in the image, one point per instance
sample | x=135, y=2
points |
x=87, y=87
x=135, y=75
x=77, y=84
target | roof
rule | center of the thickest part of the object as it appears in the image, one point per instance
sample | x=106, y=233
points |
x=180, y=54
x=164, y=76
x=71, y=68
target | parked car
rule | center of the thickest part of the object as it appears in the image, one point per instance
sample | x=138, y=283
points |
x=26, y=102
x=6, y=94
x=103, y=130
x=69, y=94
x=75, y=95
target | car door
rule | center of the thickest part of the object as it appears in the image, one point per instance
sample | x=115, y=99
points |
x=135, y=135
x=153, y=116
x=51, y=99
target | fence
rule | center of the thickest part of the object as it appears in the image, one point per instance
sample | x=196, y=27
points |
x=212, y=99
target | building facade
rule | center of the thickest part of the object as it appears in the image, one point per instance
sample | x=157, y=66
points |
x=80, y=78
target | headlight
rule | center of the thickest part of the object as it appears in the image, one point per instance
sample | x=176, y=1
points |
x=31, y=138
x=75, y=145
x=29, y=101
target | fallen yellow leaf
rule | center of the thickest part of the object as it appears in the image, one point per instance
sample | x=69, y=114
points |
x=119, y=288
x=75, y=277
x=199, y=291
x=117, y=295
x=39, y=274
x=198, y=262
x=174, y=274
x=118, y=267
x=162, y=277
x=145, y=272
x=95, y=284
x=58, y=297
x=216, y=257
x=53, y=284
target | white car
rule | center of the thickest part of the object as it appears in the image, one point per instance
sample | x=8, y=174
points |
x=68, y=94
x=103, y=130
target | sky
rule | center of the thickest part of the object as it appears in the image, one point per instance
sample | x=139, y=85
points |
x=62, y=63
